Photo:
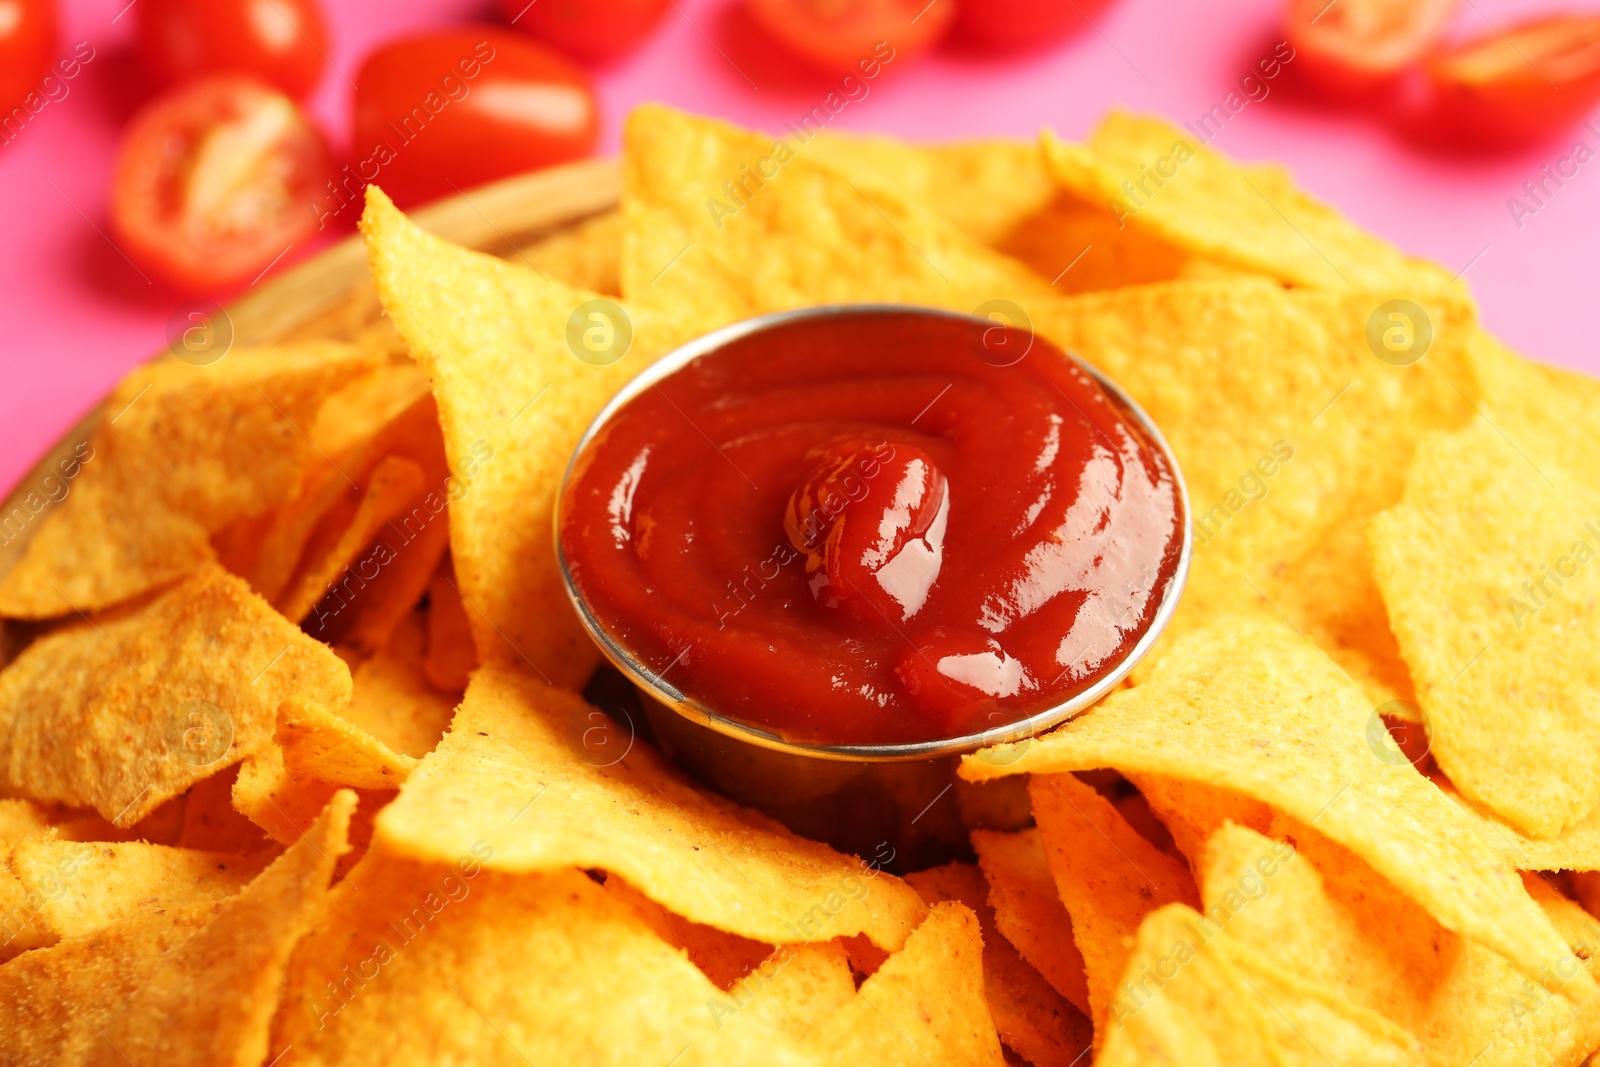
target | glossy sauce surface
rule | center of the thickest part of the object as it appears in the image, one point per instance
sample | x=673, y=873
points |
x=874, y=527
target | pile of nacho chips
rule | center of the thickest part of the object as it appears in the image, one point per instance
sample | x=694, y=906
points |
x=297, y=765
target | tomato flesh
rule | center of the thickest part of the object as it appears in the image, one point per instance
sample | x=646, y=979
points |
x=1010, y=25
x=1356, y=47
x=27, y=36
x=1527, y=84
x=443, y=112
x=841, y=34
x=595, y=31
x=215, y=180
x=281, y=42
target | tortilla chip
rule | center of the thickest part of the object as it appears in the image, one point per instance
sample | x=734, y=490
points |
x=513, y=401
x=1032, y=1019
x=688, y=245
x=511, y=773
x=1250, y=218
x=125, y=710
x=585, y=255
x=1108, y=877
x=1247, y=705
x=351, y=417
x=182, y=452
x=792, y=991
x=1078, y=247
x=724, y=958
x=85, y=887
x=1182, y=1002
x=451, y=656
x=1193, y=811
x=197, y=985
x=212, y=824
x=488, y=968
x=319, y=744
x=393, y=702
x=925, y=1005
x=1547, y=412
x=1485, y=573
x=1326, y=916
x=1029, y=912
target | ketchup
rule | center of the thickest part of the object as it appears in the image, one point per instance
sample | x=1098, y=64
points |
x=860, y=528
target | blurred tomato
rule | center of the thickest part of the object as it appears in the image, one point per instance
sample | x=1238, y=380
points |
x=281, y=42
x=1008, y=25
x=216, y=179
x=1353, y=48
x=27, y=38
x=451, y=110
x=592, y=30
x=841, y=34
x=1528, y=83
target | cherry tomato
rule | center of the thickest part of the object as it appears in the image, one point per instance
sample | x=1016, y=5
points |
x=1354, y=48
x=216, y=179
x=592, y=30
x=281, y=42
x=1009, y=25
x=447, y=111
x=1526, y=84
x=841, y=34
x=27, y=38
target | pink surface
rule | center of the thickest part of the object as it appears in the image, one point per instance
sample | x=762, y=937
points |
x=76, y=314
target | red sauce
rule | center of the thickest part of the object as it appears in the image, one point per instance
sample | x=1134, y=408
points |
x=857, y=529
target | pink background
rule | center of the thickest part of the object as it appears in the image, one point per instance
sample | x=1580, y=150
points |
x=75, y=315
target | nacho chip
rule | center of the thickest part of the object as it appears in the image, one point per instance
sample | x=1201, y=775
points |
x=724, y=958
x=182, y=452
x=1153, y=177
x=1193, y=811
x=212, y=824
x=122, y=711
x=1486, y=572
x=1028, y=909
x=1547, y=412
x=451, y=656
x=1247, y=705
x=195, y=985
x=585, y=255
x=393, y=702
x=1032, y=1019
x=1108, y=877
x=513, y=400
x=792, y=991
x=319, y=744
x=688, y=245
x=85, y=887
x=512, y=773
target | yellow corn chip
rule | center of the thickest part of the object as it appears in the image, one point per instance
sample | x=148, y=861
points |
x=1032, y=1019
x=1485, y=570
x=1182, y=1002
x=513, y=399
x=689, y=244
x=1248, y=705
x=210, y=822
x=1193, y=811
x=85, y=887
x=352, y=416
x=724, y=958
x=393, y=702
x=197, y=985
x=1029, y=912
x=125, y=710
x=1547, y=412
x=1108, y=877
x=451, y=657
x=792, y=990
x=1156, y=178
x=182, y=452
x=585, y=255
x=318, y=744
x=512, y=772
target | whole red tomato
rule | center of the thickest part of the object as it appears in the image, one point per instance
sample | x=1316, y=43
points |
x=1009, y=25
x=27, y=37
x=446, y=111
x=1526, y=84
x=841, y=34
x=216, y=180
x=592, y=30
x=281, y=42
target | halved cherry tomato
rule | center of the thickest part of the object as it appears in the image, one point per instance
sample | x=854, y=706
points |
x=281, y=42
x=27, y=37
x=1009, y=25
x=1358, y=47
x=592, y=30
x=447, y=111
x=1528, y=83
x=842, y=34
x=216, y=179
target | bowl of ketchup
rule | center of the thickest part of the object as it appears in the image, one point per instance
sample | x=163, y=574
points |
x=835, y=548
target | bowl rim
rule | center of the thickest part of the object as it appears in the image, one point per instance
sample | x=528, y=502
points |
x=693, y=710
